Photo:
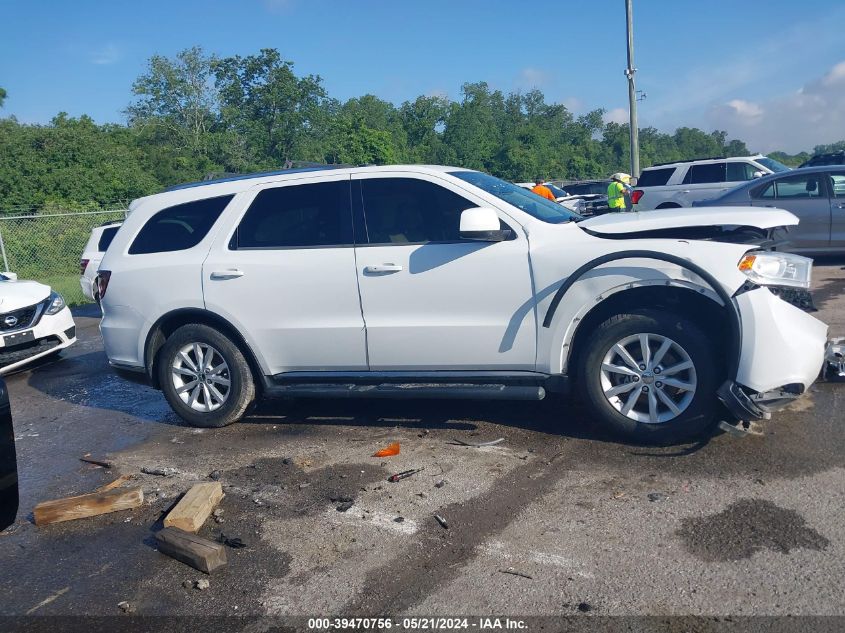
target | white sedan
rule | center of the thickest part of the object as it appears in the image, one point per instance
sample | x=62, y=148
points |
x=34, y=322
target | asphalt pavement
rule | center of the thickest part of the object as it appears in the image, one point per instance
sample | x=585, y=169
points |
x=557, y=519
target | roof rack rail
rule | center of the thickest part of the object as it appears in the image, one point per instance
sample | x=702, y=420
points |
x=261, y=174
x=689, y=160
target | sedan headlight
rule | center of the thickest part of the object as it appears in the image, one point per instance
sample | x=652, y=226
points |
x=777, y=269
x=55, y=303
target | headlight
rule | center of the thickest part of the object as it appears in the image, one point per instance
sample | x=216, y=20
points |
x=54, y=303
x=777, y=269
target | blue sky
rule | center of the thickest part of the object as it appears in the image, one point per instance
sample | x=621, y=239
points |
x=771, y=72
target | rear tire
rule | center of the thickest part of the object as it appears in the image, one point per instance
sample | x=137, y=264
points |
x=205, y=377
x=651, y=376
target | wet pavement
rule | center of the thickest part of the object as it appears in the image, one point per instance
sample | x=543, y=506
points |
x=559, y=519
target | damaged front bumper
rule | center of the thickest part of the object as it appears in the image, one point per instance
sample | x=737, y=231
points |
x=782, y=350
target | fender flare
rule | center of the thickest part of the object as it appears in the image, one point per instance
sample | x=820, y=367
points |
x=734, y=320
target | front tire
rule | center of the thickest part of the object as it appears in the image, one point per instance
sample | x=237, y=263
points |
x=651, y=376
x=205, y=377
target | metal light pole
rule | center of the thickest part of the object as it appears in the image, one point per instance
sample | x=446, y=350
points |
x=632, y=92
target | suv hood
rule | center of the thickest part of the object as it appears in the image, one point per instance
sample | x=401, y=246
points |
x=674, y=221
x=21, y=294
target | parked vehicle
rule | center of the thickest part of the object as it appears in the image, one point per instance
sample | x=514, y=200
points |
x=561, y=196
x=34, y=322
x=8, y=463
x=674, y=185
x=95, y=248
x=593, y=193
x=415, y=281
x=821, y=160
x=816, y=195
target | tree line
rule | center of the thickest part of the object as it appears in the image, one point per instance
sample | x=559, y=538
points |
x=198, y=114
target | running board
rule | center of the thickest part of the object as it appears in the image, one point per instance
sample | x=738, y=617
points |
x=447, y=391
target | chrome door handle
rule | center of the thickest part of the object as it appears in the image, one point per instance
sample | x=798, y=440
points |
x=383, y=268
x=227, y=274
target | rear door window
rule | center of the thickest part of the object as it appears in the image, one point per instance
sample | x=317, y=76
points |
x=837, y=184
x=655, y=177
x=705, y=174
x=297, y=216
x=179, y=227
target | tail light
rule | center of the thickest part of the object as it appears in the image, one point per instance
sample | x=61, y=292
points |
x=103, y=282
x=636, y=195
x=83, y=264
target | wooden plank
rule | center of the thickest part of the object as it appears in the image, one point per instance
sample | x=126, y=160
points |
x=89, y=505
x=195, y=507
x=114, y=484
x=191, y=549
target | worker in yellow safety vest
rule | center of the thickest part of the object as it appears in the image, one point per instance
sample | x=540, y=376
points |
x=617, y=191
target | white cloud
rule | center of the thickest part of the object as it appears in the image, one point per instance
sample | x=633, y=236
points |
x=616, y=115
x=108, y=54
x=792, y=122
x=530, y=78
x=573, y=104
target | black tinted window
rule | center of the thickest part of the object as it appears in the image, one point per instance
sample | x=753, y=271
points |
x=406, y=210
x=180, y=227
x=707, y=173
x=106, y=238
x=655, y=177
x=298, y=216
x=738, y=172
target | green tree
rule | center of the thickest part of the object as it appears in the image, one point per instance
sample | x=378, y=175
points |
x=2, y=96
x=278, y=113
x=178, y=96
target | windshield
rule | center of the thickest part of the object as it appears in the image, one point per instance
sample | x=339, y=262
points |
x=771, y=163
x=556, y=191
x=530, y=203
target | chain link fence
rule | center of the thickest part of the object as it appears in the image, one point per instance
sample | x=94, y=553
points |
x=47, y=247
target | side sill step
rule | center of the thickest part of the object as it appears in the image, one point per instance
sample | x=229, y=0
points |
x=408, y=390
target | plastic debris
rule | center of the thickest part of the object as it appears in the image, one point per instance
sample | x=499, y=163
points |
x=403, y=475
x=229, y=541
x=441, y=521
x=479, y=444
x=389, y=451
x=161, y=471
x=513, y=572
x=344, y=506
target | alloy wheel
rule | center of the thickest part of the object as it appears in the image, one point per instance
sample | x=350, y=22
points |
x=201, y=377
x=648, y=378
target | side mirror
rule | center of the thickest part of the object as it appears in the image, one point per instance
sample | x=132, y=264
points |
x=8, y=275
x=759, y=174
x=482, y=224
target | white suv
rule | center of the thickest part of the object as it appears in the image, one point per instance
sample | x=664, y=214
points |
x=97, y=245
x=417, y=281
x=673, y=185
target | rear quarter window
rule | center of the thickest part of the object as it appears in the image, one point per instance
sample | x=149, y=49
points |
x=655, y=177
x=106, y=238
x=179, y=227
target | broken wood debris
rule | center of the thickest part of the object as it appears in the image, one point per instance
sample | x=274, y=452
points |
x=195, y=507
x=114, y=484
x=97, y=462
x=193, y=550
x=89, y=505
